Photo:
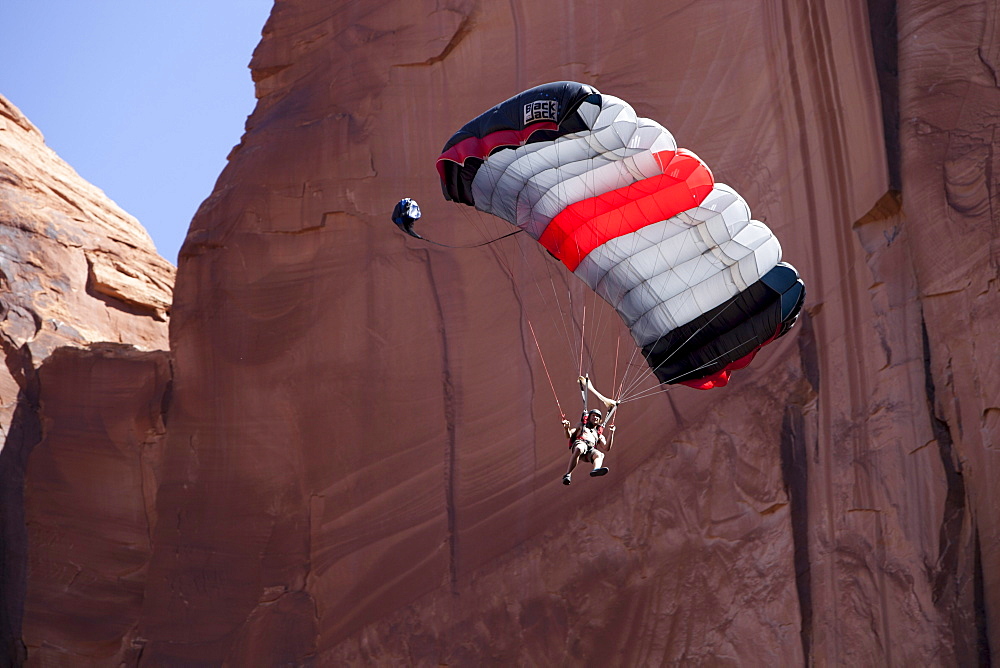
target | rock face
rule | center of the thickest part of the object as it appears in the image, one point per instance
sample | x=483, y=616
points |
x=75, y=267
x=90, y=501
x=363, y=454
x=80, y=284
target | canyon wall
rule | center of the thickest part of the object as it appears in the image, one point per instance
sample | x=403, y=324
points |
x=357, y=456
x=364, y=454
x=81, y=288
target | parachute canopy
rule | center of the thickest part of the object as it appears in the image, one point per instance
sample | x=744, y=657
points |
x=642, y=222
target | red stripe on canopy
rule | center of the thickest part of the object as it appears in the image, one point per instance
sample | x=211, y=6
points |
x=583, y=226
x=481, y=147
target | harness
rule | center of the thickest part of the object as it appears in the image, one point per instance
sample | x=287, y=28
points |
x=599, y=429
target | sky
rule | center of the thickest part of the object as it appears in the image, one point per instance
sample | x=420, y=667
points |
x=143, y=98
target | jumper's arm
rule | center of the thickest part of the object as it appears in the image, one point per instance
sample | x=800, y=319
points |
x=609, y=404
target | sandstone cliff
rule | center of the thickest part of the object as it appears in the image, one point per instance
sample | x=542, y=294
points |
x=380, y=482
x=80, y=284
x=362, y=457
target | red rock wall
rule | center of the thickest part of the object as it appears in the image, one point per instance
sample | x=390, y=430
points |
x=75, y=267
x=90, y=502
x=75, y=270
x=949, y=148
x=363, y=454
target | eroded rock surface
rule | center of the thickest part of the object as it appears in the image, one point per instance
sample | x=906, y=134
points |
x=363, y=454
x=90, y=502
x=75, y=267
x=79, y=279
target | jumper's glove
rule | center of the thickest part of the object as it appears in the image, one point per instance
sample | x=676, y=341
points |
x=566, y=423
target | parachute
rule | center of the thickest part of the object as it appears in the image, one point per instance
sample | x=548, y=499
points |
x=699, y=283
x=405, y=215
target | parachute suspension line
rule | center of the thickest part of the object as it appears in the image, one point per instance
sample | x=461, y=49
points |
x=534, y=278
x=566, y=321
x=568, y=316
x=597, y=328
x=647, y=393
x=614, y=380
x=614, y=409
x=536, y=166
x=632, y=386
x=478, y=220
x=601, y=325
x=651, y=391
x=639, y=372
x=583, y=331
x=621, y=385
x=507, y=262
x=650, y=370
x=631, y=365
x=546, y=368
x=591, y=298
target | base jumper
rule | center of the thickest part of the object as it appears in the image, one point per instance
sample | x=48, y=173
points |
x=587, y=435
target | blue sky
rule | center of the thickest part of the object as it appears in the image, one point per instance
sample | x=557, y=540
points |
x=144, y=98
